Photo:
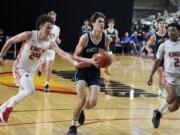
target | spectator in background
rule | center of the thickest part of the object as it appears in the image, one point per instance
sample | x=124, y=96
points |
x=126, y=43
x=85, y=28
x=135, y=42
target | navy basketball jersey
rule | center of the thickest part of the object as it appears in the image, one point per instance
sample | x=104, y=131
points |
x=159, y=40
x=93, y=48
x=112, y=35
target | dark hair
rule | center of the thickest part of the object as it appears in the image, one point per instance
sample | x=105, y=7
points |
x=110, y=20
x=160, y=19
x=43, y=19
x=97, y=15
x=86, y=20
x=174, y=25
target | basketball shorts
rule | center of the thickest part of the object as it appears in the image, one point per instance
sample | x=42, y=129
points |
x=90, y=77
x=172, y=78
x=50, y=55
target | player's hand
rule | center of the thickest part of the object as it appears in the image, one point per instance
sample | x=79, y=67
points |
x=150, y=81
x=1, y=61
x=94, y=62
x=83, y=65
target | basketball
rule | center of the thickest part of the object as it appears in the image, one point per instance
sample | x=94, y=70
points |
x=103, y=59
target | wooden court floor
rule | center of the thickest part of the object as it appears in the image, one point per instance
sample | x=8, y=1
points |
x=125, y=104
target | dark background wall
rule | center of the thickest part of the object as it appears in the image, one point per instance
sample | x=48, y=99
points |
x=20, y=15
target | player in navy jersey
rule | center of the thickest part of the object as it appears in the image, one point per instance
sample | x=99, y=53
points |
x=89, y=44
x=158, y=38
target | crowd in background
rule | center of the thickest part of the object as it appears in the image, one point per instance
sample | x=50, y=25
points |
x=133, y=42
x=148, y=26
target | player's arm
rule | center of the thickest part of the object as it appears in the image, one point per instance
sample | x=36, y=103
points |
x=157, y=62
x=58, y=40
x=79, y=48
x=117, y=35
x=150, y=43
x=107, y=42
x=62, y=53
x=13, y=40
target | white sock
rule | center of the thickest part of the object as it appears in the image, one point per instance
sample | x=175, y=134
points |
x=74, y=122
x=46, y=83
x=164, y=107
x=165, y=111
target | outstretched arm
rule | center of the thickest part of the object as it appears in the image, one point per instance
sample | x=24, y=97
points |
x=18, y=38
x=62, y=53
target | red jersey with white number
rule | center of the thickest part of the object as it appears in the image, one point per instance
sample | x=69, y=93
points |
x=171, y=52
x=30, y=53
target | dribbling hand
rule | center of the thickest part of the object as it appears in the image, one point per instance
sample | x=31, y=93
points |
x=94, y=62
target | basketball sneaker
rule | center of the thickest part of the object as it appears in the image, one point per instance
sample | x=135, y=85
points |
x=46, y=88
x=4, y=113
x=81, y=118
x=156, y=118
x=72, y=130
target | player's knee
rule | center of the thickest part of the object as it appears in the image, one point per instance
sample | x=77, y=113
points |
x=92, y=103
x=30, y=91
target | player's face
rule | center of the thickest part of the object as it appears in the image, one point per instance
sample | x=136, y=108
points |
x=46, y=28
x=173, y=33
x=99, y=24
x=53, y=17
x=86, y=23
x=111, y=25
x=161, y=25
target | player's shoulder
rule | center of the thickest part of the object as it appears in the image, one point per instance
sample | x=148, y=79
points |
x=84, y=36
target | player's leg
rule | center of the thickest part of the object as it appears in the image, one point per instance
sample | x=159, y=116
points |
x=42, y=66
x=94, y=89
x=49, y=63
x=27, y=86
x=81, y=93
x=93, y=97
x=164, y=107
